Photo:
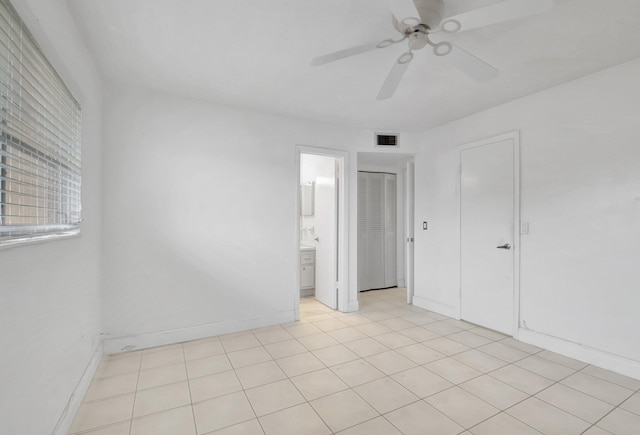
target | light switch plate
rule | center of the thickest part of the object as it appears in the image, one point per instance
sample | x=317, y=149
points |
x=424, y=225
x=524, y=227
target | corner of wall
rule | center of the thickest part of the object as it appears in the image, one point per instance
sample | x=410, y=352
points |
x=146, y=341
x=581, y=352
x=75, y=400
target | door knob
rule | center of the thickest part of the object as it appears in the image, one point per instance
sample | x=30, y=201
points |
x=317, y=239
x=505, y=246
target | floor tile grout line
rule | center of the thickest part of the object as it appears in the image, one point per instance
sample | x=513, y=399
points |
x=590, y=395
x=308, y=402
x=133, y=406
x=534, y=396
x=391, y=410
x=193, y=412
x=92, y=430
x=500, y=411
x=150, y=414
x=488, y=373
x=448, y=417
x=365, y=421
x=559, y=363
x=267, y=383
x=612, y=410
x=391, y=423
x=582, y=370
x=244, y=392
x=554, y=383
x=504, y=412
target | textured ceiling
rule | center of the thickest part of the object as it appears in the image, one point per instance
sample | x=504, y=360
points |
x=255, y=54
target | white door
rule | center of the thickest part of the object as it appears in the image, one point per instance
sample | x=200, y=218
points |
x=371, y=266
x=487, y=235
x=326, y=230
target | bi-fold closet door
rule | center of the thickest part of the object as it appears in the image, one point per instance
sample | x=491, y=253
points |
x=376, y=230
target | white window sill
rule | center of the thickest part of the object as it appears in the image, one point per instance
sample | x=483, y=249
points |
x=39, y=238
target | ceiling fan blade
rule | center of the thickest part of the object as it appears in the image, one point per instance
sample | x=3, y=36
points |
x=404, y=11
x=469, y=64
x=347, y=52
x=395, y=75
x=506, y=10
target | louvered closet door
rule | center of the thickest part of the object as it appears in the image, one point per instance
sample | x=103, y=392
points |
x=376, y=230
x=363, y=245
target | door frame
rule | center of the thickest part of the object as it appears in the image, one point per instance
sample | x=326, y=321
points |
x=342, y=157
x=514, y=136
x=404, y=173
x=409, y=230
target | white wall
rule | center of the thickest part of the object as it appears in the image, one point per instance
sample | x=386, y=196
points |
x=580, y=192
x=200, y=216
x=49, y=292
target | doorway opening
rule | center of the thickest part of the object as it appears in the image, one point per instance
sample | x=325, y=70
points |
x=377, y=231
x=322, y=231
x=385, y=222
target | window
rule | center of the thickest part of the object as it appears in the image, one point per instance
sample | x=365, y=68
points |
x=40, y=128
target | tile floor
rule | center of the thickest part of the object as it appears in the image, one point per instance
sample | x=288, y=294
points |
x=389, y=369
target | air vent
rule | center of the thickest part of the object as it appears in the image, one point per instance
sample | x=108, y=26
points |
x=386, y=140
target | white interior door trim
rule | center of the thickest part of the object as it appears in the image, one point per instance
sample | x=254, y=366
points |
x=342, y=157
x=409, y=229
x=514, y=136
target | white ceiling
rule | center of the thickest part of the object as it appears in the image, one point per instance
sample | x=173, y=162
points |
x=255, y=54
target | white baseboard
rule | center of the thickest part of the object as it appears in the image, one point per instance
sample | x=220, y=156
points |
x=401, y=283
x=154, y=339
x=436, y=307
x=580, y=352
x=73, y=405
x=306, y=292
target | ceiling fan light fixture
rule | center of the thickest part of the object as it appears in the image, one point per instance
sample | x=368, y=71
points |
x=405, y=58
x=411, y=21
x=451, y=25
x=442, y=48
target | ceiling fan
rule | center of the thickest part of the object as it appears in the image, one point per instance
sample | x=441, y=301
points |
x=417, y=20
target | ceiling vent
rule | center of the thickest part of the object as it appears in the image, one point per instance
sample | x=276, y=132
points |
x=387, y=140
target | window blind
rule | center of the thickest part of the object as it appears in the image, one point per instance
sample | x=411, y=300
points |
x=40, y=126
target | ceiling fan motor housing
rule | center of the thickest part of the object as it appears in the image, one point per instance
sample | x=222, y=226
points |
x=418, y=40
